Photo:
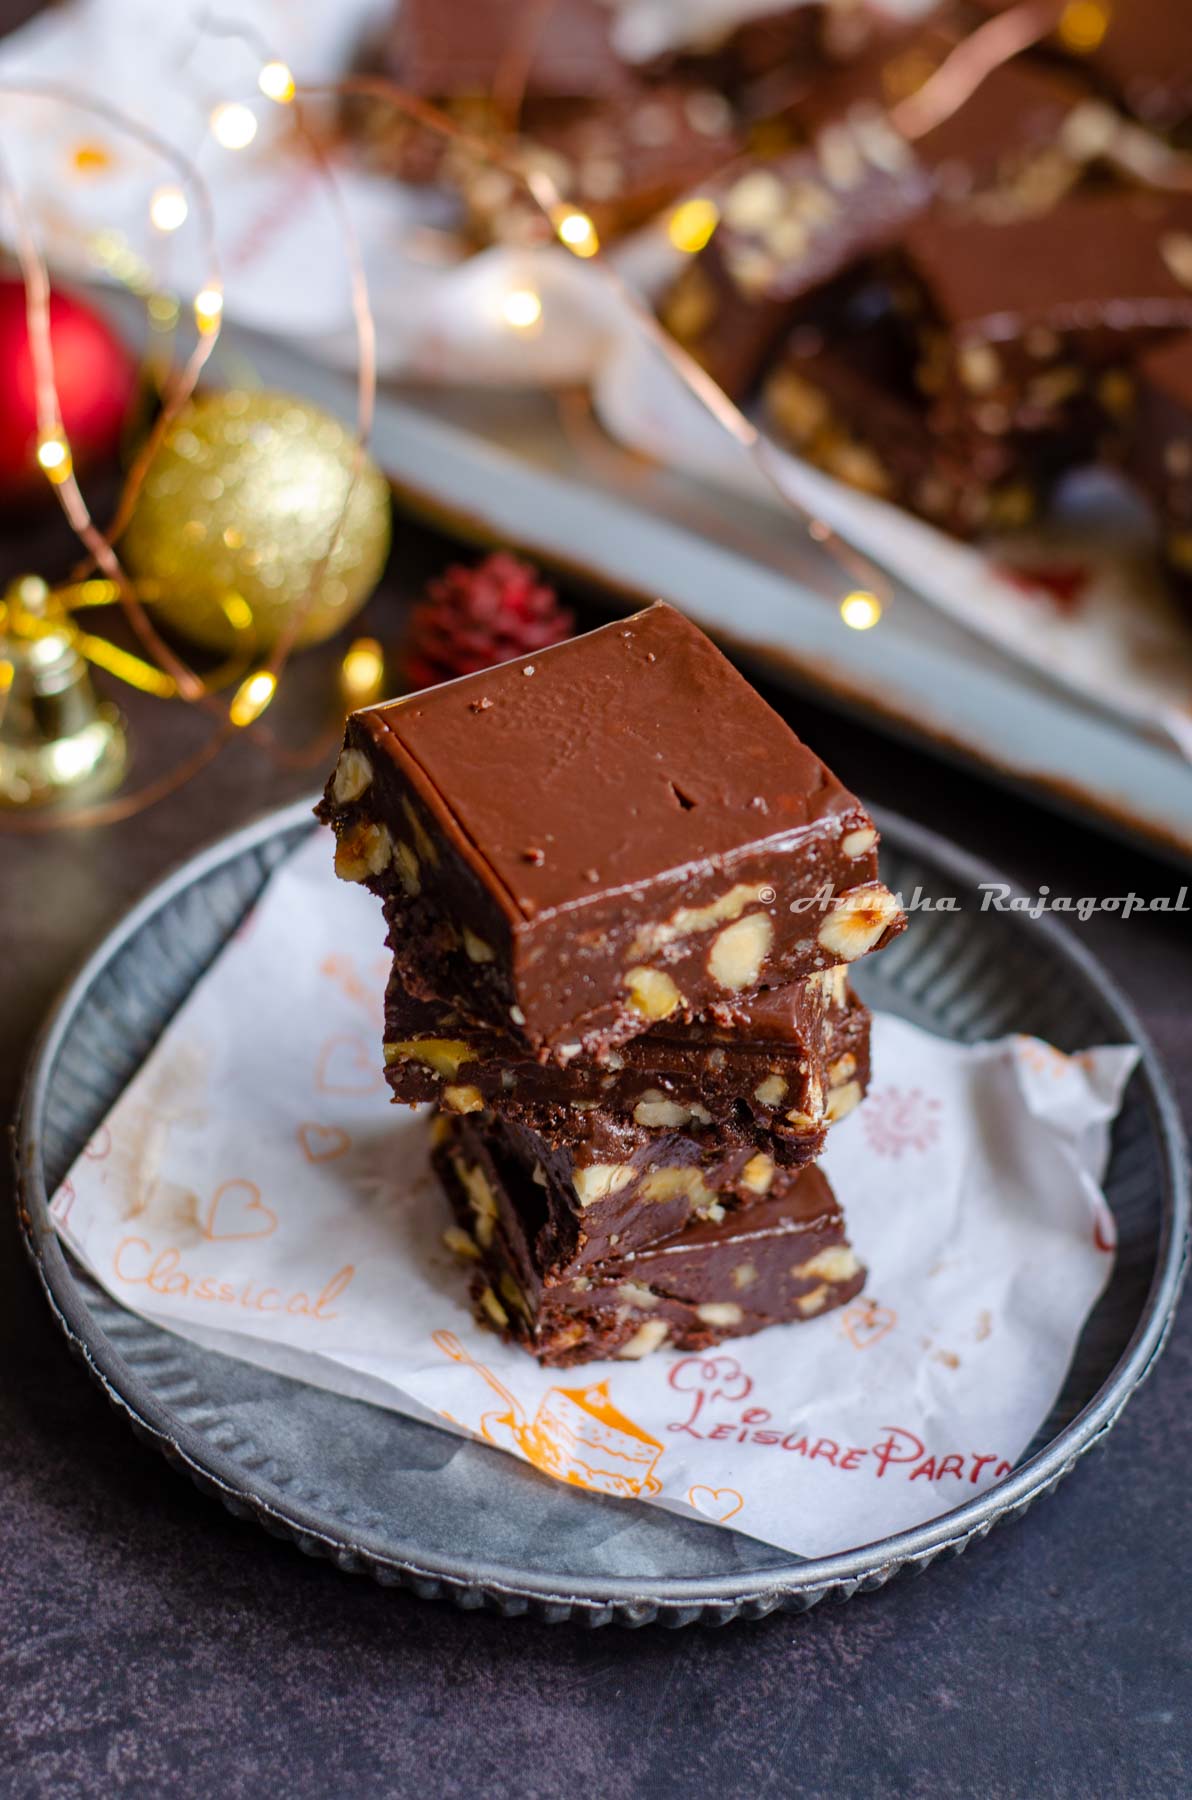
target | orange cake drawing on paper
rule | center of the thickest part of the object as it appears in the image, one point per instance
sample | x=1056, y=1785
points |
x=584, y=1439
x=577, y=1434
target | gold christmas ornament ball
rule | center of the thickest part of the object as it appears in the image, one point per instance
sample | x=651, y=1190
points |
x=235, y=518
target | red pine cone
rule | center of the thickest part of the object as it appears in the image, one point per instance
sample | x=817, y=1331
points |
x=474, y=618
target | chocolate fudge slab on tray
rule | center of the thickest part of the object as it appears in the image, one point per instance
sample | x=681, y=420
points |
x=785, y=1064
x=786, y=1258
x=843, y=396
x=793, y=223
x=616, y=832
x=1026, y=325
x=789, y=225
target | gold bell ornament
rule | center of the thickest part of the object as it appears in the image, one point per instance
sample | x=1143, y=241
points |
x=57, y=740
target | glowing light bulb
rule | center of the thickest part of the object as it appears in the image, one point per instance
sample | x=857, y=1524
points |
x=252, y=697
x=522, y=309
x=233, y=125
x=168, y=208
x=53, y=455
x=1083, y=24
x=577, y=231
x=276, y=83
x=691, y=225
x=860, y=610
x=362, y=671
x=208, y=310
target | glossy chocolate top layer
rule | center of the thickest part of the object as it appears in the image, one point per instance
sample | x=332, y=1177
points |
x=607, y=762
x=1118, y=262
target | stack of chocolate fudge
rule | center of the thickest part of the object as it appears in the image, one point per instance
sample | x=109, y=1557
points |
x=622, y=900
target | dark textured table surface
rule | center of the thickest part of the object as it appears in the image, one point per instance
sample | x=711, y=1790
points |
x=153, y=1645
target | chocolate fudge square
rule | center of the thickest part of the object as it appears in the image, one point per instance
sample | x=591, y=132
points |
x=1027, y=325
x=618, y=831
x=843, y=395
x=795, y=223
x=785, y=1259
x=605, y=1187
x=781, y=1067
x=789, y=226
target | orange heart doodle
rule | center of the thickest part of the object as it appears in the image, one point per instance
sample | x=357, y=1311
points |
x=867, y=1322
x=347, y=1066
x=237, y=1211
x=323, y=1143
x=99, y=1146
x=719, y=1504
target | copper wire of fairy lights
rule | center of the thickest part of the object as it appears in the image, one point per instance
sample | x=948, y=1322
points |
x=208, y=312
x=974, y=59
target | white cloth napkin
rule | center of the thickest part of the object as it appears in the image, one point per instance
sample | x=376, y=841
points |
x=254, y=1190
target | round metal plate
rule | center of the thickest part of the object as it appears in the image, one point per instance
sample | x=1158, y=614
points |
x=411, y=1505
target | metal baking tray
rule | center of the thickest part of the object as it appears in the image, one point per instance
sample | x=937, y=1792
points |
x=416, y=1507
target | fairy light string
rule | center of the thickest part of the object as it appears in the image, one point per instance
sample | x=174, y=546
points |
x=173, y=675
x=690, y=227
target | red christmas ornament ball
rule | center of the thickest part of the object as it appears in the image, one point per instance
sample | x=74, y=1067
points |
x=472, y=619
x=96, y=380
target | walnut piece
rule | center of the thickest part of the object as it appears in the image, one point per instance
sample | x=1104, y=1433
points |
x=857, y=920
x=634, y=1294
x=758, y=1173
x=836, y=1263
x=652, y=993
x=655, y=1109
x=771, y=1091
x=665, y=1183
x=720, y=1313
x=423, y=842
x=353, y=773
x=492, y=1306
x=689, y=920
x=406, y=864
x=463, y=1099
x=480, y=1198
x=461, y=1243
x=738, y=952
x=856, y=843
x=598, y=1180
x=443, y=1055
x=842, y=1100
x=364, y=849
x=648, y=1337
